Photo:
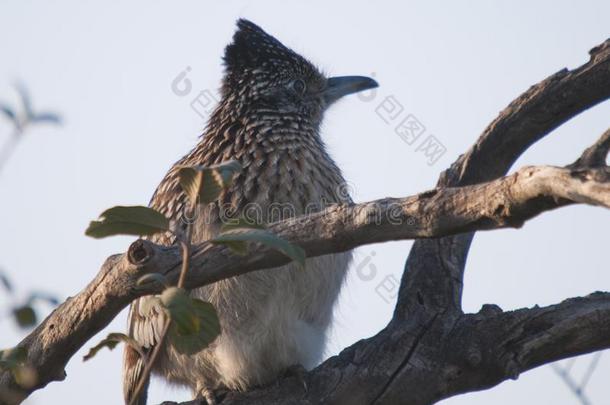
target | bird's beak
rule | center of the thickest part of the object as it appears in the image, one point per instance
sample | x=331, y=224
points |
x=337, y=87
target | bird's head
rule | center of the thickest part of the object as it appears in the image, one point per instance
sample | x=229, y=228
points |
x=264, y=75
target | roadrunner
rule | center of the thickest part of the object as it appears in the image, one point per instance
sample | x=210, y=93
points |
x=268, y=119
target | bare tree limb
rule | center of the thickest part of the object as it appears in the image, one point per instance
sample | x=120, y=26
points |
x=429, y=302
x=506, y=202
x=596, y=154
x=482, y=350
x=407, y=360
x=436, y=267
x=504, y=344
x=533, y=115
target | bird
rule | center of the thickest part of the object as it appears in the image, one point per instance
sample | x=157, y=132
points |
x=268, y=118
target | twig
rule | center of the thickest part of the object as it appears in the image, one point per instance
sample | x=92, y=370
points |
x=9, y=147
x=186, y=256
x=571, y=384
x=150, y=363
x=577, y=390
x=590, y=370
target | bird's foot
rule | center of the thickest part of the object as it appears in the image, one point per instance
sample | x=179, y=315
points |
x=206, y=396
x=299, y=372
x=211, y=396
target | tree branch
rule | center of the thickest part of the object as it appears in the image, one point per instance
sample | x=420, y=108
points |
x=596, y=154
x=403, y=362
x=481, y=351
x=506, y=202
x=436, y=267
x=530, y=117
x=502, y=345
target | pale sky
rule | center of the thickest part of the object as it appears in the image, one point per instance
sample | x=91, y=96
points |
x=108, y=68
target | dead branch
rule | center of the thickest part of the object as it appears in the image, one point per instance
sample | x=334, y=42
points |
x=411, y=359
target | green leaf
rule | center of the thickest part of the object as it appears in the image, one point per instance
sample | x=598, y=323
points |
x=11, y=358
x=178, y=304
x=204, y=184
x=47, y=117
x=237, y=235
x=111, y=341
x=134, y=220
x=239, y=248
x=26, y=376
x=148, y=304
x=9, y=112
x=192, y=341
x=26, y=100
x=151, y=279
x=235, y=223
x=194, y=324
x=6, y=282
x=40, y=296
x=25, y=316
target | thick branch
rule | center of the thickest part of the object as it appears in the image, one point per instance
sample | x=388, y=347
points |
x=596, y=154
x=436, y=267
x=506, y=202
x=482, y=350
x=530, y=117
x=406, y=360
x=432, y=284
x=492, y=346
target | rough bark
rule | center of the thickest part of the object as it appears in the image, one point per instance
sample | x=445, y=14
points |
x=430, y=350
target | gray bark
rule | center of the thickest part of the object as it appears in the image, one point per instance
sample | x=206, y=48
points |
x=430, y=350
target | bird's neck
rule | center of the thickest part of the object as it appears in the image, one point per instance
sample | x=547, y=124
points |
x=265, y=127
x=282, y=155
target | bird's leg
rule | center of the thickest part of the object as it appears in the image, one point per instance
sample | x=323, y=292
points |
x=206, y=395
x=299, y=372
x=211, y=396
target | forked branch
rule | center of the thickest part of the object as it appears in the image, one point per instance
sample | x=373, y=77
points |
x=411, y=359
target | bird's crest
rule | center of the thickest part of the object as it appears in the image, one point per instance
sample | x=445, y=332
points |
x=252, y=47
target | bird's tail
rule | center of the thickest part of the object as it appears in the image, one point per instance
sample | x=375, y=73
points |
x=133, y=368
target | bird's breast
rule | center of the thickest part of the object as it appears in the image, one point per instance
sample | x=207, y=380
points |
x=285, y=181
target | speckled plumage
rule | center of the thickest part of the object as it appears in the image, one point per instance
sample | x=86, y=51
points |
x=270, y=319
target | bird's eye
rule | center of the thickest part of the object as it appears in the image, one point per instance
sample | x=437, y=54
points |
x=298, y=86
